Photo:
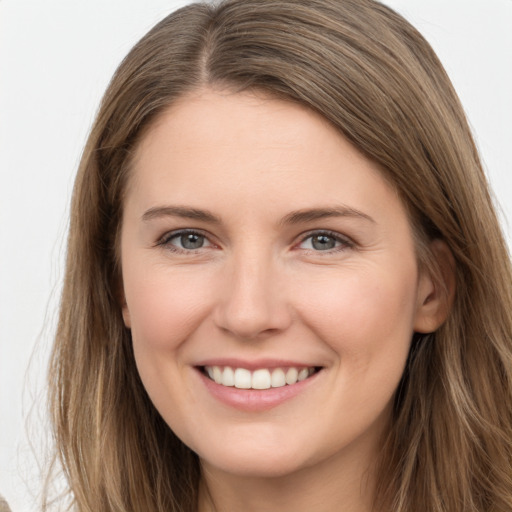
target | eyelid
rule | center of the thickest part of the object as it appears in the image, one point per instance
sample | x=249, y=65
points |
x=164, y=240
x=345, y=241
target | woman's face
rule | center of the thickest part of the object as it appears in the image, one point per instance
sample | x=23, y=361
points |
x=259, y=248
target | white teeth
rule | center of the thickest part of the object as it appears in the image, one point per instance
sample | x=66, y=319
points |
x=291, y=376
x=278, y=379
x=303, y=374
x=262, y=378
x=228, y=377
x=217, y=375
x=243, y=378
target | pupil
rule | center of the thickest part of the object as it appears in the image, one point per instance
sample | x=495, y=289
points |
x=323, y=242
x=192, y=241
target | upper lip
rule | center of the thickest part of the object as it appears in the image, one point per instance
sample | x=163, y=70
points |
x=255, y=364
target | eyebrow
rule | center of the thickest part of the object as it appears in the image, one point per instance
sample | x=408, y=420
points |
x=312, y=214
x=295, y=217
x=180, y=211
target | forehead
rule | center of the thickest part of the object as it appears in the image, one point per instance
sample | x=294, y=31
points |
x=218, y=119
x=254, y=151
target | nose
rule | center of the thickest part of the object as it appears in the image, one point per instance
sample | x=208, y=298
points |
x=252, y=299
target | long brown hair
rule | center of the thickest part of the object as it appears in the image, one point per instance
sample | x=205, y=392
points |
x=375, y=78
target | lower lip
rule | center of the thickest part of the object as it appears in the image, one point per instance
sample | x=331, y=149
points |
x=256, y=400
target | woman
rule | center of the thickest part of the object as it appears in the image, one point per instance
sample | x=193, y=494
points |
x=286, y=286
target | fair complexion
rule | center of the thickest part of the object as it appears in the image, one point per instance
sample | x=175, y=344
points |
x=255, y=237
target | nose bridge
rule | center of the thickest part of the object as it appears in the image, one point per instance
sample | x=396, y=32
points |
x=252, y=301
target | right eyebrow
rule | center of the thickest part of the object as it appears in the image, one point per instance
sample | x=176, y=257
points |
x=183, y=212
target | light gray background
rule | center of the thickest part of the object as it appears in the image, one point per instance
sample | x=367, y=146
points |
x=56, y=58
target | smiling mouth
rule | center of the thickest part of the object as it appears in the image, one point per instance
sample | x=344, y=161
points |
x=263, y=378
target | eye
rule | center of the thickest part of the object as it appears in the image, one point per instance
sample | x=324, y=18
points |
x=184, y=241
x=324, y=241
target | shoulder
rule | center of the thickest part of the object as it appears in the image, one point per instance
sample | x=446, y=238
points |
x=4, y=507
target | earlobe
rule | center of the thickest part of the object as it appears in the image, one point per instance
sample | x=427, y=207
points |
x=436, y=290
x=125, y=310
x=126, y=316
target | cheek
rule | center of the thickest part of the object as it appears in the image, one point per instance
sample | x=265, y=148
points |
x=164, y=306
x=366, y=317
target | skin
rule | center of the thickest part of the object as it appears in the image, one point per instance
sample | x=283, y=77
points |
x=258, y=288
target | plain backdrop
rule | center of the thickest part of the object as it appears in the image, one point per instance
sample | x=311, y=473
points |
x=56, y=58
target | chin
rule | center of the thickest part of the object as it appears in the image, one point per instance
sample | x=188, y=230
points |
x=256, y=459
x=256, y=466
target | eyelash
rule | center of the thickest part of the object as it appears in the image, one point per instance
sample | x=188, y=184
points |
x=165, y=240
x=344, y=242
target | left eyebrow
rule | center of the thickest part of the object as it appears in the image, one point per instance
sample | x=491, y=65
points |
x=309, y=215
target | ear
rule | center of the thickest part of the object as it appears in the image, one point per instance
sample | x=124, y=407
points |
x=126, y=317
x=125, y=310
x=435, y=292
